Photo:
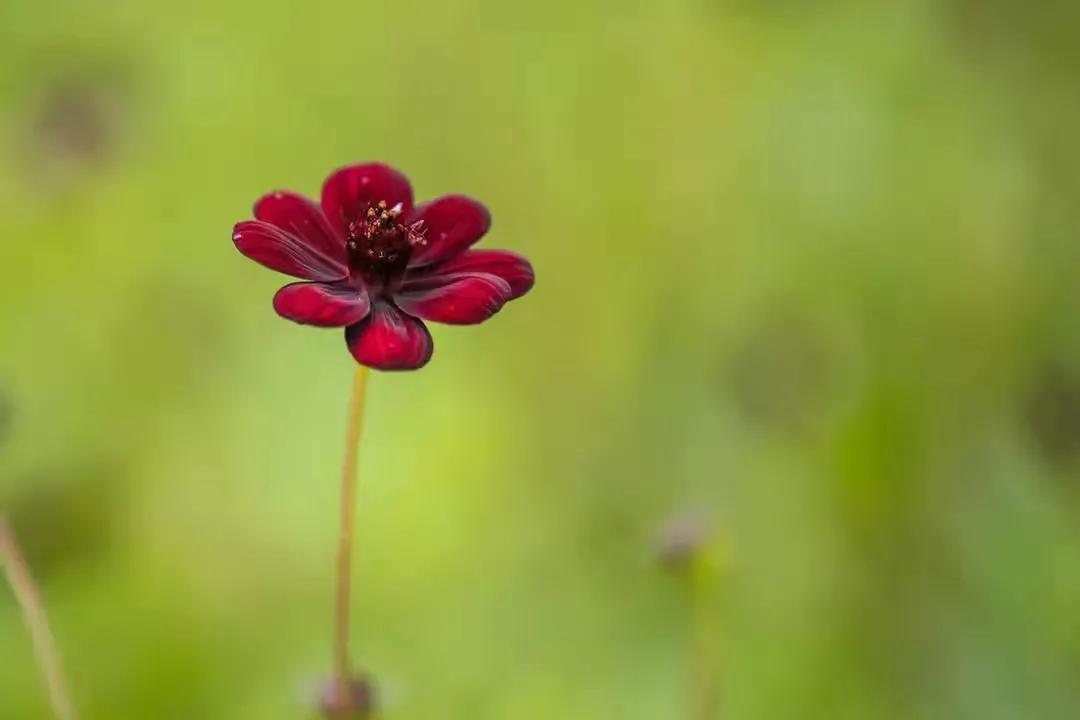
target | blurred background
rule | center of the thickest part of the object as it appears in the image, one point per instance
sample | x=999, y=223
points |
x=807, y=276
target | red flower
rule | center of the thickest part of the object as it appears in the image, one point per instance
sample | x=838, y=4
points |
x=378, y=266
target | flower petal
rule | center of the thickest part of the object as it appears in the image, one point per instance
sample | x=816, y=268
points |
x=347, y=194
x=285, y=252
x=388, y=339
x=452, y=223
x=322, y=304
x=461, y=299
x=303, y=218
x=511, y=267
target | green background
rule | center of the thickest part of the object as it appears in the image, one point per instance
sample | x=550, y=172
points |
x=807, y=269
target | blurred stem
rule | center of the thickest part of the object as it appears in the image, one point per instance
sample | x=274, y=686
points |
x=26, y=595
x=704, y=694
x=342, y=669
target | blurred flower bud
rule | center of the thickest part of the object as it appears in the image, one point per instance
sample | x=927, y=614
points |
x=685, y=546
x=354, y=700
x=1054, y=414
x=77, y=121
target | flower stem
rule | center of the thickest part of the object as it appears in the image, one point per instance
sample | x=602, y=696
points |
x=342, y=669
x=26, y=595
x=704, y=699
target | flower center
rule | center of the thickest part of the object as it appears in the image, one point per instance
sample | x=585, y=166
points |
x=379, y=246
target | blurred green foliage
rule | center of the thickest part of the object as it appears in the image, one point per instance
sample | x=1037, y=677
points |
x=807, y=268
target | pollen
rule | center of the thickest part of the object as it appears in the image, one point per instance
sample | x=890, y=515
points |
x=379, y=244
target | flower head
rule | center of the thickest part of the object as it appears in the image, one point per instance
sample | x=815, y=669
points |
x=688, y=546
x=352, y=700
x=378, y=266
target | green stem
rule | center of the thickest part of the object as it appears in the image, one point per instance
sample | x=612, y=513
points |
x=29, y=600
x=705, y=695
x=342, y=661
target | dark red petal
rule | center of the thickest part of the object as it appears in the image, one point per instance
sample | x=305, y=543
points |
x=451, y=224
x=303, y=218
x=285, y=252
x=347, y=194
x=388, y=339
x=463, y=299
x=511, y=267
x=322, y=304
